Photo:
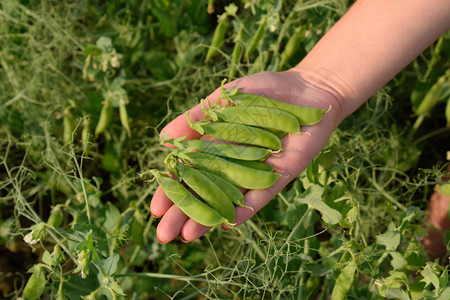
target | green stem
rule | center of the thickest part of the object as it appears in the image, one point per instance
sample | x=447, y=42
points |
x=306, y=252
x=416, y=126
x=431, y=134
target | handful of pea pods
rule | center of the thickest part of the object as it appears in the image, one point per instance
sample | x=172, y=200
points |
x=204, y=177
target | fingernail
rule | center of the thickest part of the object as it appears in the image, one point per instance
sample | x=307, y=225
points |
x=160, y=240
x=183, y=239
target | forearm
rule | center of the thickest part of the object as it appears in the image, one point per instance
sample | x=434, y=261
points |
x=373, y=42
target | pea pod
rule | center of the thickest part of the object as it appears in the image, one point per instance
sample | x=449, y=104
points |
x=56, y=216
x=258, y=165
x=105, y=118
x=193, y=207
x=292, y=46
x=218, y=36
x=258, y=36
x=237, y=174
x=236, y=54
x=238, y=133
x=431, y=98
x=230, y=189
x=228, y=150
x=267, y=117
x=85, y=134
x=68, y=124
x=124, y=117
x=305, y=115
x=35, y=285
x=208, y=191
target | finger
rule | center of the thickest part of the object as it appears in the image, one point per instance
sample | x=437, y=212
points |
x=170, y=225
x=192, y=230
x=160, y=203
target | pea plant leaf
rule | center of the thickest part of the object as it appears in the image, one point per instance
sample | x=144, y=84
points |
x=313, y=198
x=396, y=293
x=410, y=215
x=112, y=218
x=398, y=262
x=109, y=265
x=445, y=294
x=389, y=239
x=429, y=277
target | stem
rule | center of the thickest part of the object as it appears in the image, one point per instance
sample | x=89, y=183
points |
x=431, y=134
x=416, y=126
x=306, y=251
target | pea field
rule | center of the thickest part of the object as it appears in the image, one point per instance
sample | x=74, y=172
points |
x=86, y=87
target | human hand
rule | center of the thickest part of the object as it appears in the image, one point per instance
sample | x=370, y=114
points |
x=299, y=149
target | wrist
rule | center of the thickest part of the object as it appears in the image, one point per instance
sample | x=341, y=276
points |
x=339, y=94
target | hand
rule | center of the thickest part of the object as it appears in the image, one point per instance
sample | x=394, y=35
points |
x=299, y=150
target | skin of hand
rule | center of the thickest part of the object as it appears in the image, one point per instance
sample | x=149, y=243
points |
x=371, y=43
x=299, y=149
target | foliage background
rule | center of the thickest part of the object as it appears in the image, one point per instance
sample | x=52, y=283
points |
x=77, y=199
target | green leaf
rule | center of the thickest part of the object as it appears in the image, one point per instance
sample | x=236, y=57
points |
x=430, y=277
x=412, y=213
x=231, y=9
x=397, y=293
x=445, y=294
x=294, y=213
x=117, y=289
x=47, y=258
x=398, y=261
x=344, y=282
x=313, y=198
x=105, y=44
x=443, y=280
x=112, y=218
x=389, y=239
x=109, y=265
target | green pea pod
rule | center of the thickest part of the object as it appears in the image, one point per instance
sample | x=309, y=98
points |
x=208, y=191
x=230, y=189
x=344, y=282
x=237, y=174
x=85, y=135
x=35, y=285
x=238, y=133
x=218, y=37
x=258, y=36
x=193, y=207
x=235, y=55
x=260, y=116
x=228, y=150
x=124, y=117
x=68, y=125
x=258, y=165
x=105, y=118
x=278, y=133
x=305, y=115
x=431, y=98
x=292, y=46
x=56, y=216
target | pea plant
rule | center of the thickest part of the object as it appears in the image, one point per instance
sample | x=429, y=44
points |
x=85, y=90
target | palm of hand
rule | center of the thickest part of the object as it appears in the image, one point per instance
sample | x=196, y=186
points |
x=299, y=150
